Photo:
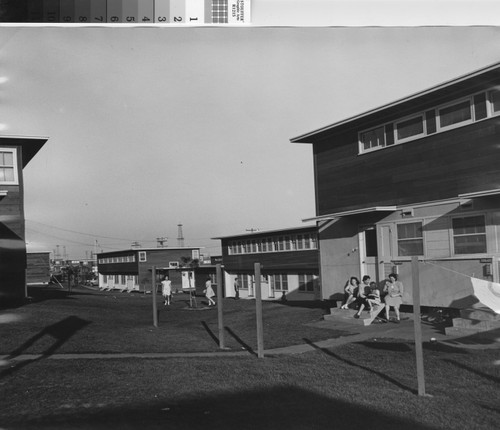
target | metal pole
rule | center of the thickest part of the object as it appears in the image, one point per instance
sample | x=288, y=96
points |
x=153, y=293
x=258, y=308
x=417, y=326
x=218, y=272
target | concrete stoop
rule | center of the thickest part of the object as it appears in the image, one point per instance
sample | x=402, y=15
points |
x=473, y=321
x=347, y=315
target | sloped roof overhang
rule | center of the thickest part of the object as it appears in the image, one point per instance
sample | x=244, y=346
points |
x=352, y=212
x=485, y=193
x=469, y=82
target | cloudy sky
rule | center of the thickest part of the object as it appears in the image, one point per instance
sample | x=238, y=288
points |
x=151, y=127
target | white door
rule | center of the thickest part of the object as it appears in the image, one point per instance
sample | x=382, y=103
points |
x=187, y=279
x=368, y=251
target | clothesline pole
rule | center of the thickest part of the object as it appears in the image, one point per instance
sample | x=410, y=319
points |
x=153, y=294
x=258, y=308
x=417, y=326
x=220, y=303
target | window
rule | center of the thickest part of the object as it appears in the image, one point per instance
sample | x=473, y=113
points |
x=480, y=109
x=410, y=239
x=8, y=166
x=287, y=243
x=300, y=243
x=124, y=279
x=195, y=254
x=306, y=282
x=462, y=112
x=410, y=128
x=254, y=246
x=469, y=235
x=142, y=256
x=243, y=281
x=495, y=100
x=279, y=282
x=314, y=241
x=455, y=114
x=307, y=241
x=372, y=138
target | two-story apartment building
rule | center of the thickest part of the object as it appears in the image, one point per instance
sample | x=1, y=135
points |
x=131, y=269
x=289, y=261
x=416, y=177
x=15, y=154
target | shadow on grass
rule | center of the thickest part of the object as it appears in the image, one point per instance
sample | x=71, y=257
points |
x=51, y=292
x=280, y=407
x=210, y=333
x=387, y=346
x=476, y=372
x=60, y=331
x=359, y=366
x=240, y=341
x=309, y=304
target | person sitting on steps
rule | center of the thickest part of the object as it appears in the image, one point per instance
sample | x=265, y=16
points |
x=349, y=292
x=373, y=298
x=363, y=291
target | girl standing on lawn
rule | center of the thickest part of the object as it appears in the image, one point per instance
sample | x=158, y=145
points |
x=166, y=290
x=209, y=292
x=394, y=297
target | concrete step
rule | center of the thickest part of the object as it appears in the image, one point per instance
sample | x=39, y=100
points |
x=478, y=324
x=484, y=314
x=461, y=331
x=366, y=318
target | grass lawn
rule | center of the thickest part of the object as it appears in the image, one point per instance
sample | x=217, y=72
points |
x=367, y=385
x=93, y=321
x=364, y=385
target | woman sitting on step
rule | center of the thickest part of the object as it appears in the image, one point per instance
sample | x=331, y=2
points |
x=350, y=292
x=370, y=300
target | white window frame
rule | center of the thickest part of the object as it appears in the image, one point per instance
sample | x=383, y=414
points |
x=13, y=151
x=410, y=138
x=195, y=254
x=413, y=221
x=485, y=234
x=489, y=102
x=440, y=128
x=361, y=148
x=303, y=282
x=142, y=257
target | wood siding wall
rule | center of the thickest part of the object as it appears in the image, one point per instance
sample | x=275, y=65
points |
x=12, y=239
x=38, y=267
x=293, y=261
x=436, y=167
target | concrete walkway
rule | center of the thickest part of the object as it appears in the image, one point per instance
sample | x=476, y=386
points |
x=354, y=333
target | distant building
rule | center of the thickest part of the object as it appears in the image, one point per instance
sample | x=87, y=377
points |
x=15, y=154
x=131, y=269
x=289, y=263
x=416, y=177
x=38, y=267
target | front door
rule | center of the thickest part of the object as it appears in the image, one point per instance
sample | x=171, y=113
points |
x=368, y=251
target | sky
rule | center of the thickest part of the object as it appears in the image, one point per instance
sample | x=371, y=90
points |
x=149, y=128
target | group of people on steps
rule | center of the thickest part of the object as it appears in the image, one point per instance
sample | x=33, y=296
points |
x=368, y=295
